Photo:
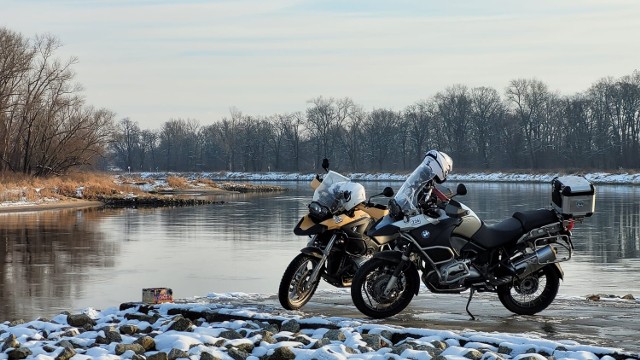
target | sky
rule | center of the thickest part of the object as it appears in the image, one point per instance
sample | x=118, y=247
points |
x=156, y=60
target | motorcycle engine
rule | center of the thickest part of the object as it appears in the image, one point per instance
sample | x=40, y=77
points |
x=452, y=275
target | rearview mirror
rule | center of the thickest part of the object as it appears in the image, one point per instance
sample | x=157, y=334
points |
x=461, y=190
x=325, y=164
x=388, y=191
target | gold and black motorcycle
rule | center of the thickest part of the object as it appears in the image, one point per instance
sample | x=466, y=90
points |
x=339, y=216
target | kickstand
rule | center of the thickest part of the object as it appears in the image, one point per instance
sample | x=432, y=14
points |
x=473, y=290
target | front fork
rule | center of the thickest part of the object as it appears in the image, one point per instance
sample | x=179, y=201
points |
x=396, y=274
x=325, y=254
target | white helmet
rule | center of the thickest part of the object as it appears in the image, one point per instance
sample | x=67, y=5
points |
x=349, y=193
x=440, y=163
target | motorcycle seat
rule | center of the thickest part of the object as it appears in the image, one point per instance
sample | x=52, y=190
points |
x=504, y=232
x=535, y=218
x=510, y=230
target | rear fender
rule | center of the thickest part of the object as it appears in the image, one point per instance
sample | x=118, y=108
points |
x=559, y=270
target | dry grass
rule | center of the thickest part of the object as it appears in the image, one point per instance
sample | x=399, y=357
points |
x=177, y=182
x=20, y=187
x=207, y=182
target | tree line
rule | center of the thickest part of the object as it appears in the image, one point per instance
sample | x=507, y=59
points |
x=47, y=128
x=527, y=127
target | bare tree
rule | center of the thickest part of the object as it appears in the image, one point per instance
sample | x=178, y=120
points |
x=528, y=97
x=419, y=118
x=324, y=119
x=16, y=56
x=487, y=113
x=454, y=111
x=126, y=144
x=290, y=127
x=381, y=133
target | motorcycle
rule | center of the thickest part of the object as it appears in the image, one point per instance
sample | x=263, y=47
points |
x=339, y=217
x=518, y=258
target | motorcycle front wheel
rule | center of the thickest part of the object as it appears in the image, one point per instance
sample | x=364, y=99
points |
x=531, y=294
x=295, y=290
x=369, y=285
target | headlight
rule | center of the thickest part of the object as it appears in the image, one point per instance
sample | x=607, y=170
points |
x=318, y=211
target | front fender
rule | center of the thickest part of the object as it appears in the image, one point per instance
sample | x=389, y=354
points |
x=312, y=251
x=306, y=226
x=393, y=256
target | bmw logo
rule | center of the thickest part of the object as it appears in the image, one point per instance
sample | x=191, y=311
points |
x=425, y=234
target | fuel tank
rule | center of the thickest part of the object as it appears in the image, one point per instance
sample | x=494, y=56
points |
x=470, y=223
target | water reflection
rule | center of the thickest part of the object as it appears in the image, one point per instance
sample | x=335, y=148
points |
x=46, y=257
x=72, y=259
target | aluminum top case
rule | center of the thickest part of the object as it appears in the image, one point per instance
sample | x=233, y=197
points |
x=573, y=196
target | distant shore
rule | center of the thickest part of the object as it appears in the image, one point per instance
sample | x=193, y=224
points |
x=621, y=178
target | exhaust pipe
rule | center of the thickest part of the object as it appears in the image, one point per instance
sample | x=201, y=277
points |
x=535, y=261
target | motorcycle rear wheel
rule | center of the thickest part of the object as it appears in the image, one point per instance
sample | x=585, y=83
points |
x=295, y=291
x=370, y=282
x=532, y=294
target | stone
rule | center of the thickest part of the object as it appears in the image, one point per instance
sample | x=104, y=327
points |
x=66, y=354
x=181, y=324
x=439, y=345
x=178, y=354
x=267, y=336
x=147, y=342
x=231, y=335
x=16, y=322
x=71, y=332
x=245, y=346
x=399, y=349
x=290, y=325
x=628, y=297
x=375, y=341
x=473, y=354
x=320, y=343
x=128, y=329
x=283, y=353
x=65, y=344
x=136, y=348
x=208, y=356
x=19, y=353
x=10, y=342
x=80, y=320
x=112, y=336
x=335, y=335
x=504, y=349
x=158, y=356
x=237, y=354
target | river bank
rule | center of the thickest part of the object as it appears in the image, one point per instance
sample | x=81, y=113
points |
x=241, y=326
x=22, y=193
x=621, y=178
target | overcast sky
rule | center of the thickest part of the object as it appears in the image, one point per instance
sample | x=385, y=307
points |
x=156, y=60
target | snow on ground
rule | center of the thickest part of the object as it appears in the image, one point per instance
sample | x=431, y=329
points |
x=213, y=329
x=596, y=178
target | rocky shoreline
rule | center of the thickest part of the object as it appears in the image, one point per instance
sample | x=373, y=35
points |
x=154, y=201
x=217, y=331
